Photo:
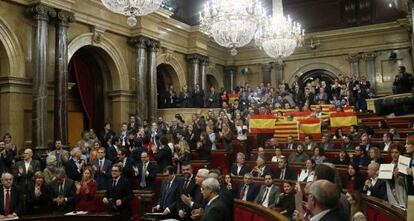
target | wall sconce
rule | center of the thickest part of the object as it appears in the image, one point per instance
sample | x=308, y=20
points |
x=70, y=85
x=313, y=44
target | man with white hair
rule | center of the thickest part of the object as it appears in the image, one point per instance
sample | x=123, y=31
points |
x=74, y=166
x=26, y=168
x=194, y=201
x=374, y=186
x=215, y=209
x=9, y=198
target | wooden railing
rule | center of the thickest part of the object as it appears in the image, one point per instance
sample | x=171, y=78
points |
x=256, y=211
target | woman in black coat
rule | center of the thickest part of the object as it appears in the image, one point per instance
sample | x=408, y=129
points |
x=37, y=199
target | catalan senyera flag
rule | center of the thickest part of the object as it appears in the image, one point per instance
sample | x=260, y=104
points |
x=284, y=128
x=233, y=97
x=310, y=126
x=262, y=124
x=343, y=120
x=301, y=115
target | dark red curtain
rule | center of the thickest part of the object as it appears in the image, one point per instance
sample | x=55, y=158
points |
x=85, y=82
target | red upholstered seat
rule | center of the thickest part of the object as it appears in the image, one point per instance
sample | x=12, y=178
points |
x=218, y=160
x=135, y=208
x=243, y=215
x=259, y=218
x=371, y=214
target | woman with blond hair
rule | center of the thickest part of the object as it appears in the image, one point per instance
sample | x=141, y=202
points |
x=85, y=192
x=37, y=198
x=182, y=154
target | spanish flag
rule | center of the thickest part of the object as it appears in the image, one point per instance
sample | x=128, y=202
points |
x=262, y=124
x=343, y=120
x=310, y=126
x=325, y=107
x=232, y=98
x=284, y=128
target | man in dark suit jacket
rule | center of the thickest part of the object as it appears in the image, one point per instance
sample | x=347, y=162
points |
x=248, y=190
x=119, y=193
x=170, y=193
x=239, y=168
x=5, y=159
x=25, y=170
x=323, y=201
x=62, y=192
x=374, y=186
x=213, y=99
x=164, y=155
x=215, y=209
x=74, y=166
x=268, y=194
x=102, y=168
x=284, y=172
x=147, y=172
x=13, y=209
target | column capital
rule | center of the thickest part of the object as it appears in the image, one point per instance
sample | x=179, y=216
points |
x=41, y=12
x=64, y=18
x=204, y=60
x=229, y=69
x=369, y=56
x=267, y=67
x=194, y=58
x=279, y=65
x=353, y=58
x=138, y=41
x=152, y=45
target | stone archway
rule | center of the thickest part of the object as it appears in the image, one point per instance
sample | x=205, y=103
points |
x=116, y=63
x=330, y=70
x=13, y=62
x=179, y=76
x=215, y=77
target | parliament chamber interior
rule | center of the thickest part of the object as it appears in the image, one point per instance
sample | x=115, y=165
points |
x=209, y=110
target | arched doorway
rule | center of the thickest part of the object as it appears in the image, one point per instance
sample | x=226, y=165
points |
x=4, y=61
x=321, y=74
x=166, y=76
x=212, y=82
x=86, y=99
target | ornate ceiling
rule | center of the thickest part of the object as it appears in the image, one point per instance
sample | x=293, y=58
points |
x=314, y=15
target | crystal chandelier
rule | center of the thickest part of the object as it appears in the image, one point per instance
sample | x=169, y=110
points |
x=278, y=35
x=231, y=23
x=132, y=8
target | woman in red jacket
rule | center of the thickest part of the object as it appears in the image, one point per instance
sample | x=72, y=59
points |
x=85, y=192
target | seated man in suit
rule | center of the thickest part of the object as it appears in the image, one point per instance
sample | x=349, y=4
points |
x=323, y=200
x=308, y=143
x=290, y=145
x=260, y=170
x=284, y=172
x=119, y=193
x=326, y=144
x=9, y=198
x=387, y=139
x=194, y=201
x=248, y=190
x=239, y=168
x=268, y=194
x=170, y=193
x=26, y=168
x=74, y=165
x=102, y=168
x=147, y=172
x=215, y=209
x=374, y=186
x=62, y=192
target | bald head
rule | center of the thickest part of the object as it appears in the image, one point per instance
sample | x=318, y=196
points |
x=325, y=194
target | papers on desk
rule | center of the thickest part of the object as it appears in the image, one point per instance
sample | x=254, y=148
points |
x=403, y=164
x=11, y=218
x=386, y=171
x=74, y=213
x=154, y=214
x=169, y=220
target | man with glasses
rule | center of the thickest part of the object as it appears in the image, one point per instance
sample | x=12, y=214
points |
x=248, y=190
x=9, y=198
x=102, y=169
x=119, y=193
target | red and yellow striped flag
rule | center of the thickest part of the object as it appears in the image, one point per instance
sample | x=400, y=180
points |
x=232, y=98
x=310, y=126
x=262, y=124
x=284, y=128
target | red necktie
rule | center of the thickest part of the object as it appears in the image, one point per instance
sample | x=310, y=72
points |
x=7, y=206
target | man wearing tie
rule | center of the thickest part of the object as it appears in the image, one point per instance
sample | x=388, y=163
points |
x=194, y=202
x=268, y=193
x=119, y=193
x=25, y=170
x=147, y=172
x=9, y=198
x=290, y=143
x=62, y=192
x=284, y=172
x=74, y=165
x=102, y=168
x=373, y=186
x=248, y=190
x=215, y=209
x=239, y=168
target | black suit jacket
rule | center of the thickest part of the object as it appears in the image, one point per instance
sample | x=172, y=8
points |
x=122, y=191
x=169, y=197
x=251, y=192
x=15, y=204
x=38, y=205
x=334, y=215
x=68, y=193
x=163, y=158
x=25, y=179
x=244, y=169
x=72, y=170
x=289, y=174
x=216, y=211
x=379, y=190
x=150, y=178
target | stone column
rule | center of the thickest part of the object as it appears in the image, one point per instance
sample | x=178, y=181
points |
x=194, y=60
x=370, y=68
x=266, y=73
x=203, y=63
x=152, y=46
x=140, y=44
x=231, y=71
x=354, y=62
x=411, y=9
x=41, y=15
x=279, y=71
x=61, y=76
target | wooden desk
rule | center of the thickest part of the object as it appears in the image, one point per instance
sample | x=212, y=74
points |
x=86, y=217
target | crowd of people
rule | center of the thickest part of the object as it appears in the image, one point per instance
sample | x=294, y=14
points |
x=68, y=178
